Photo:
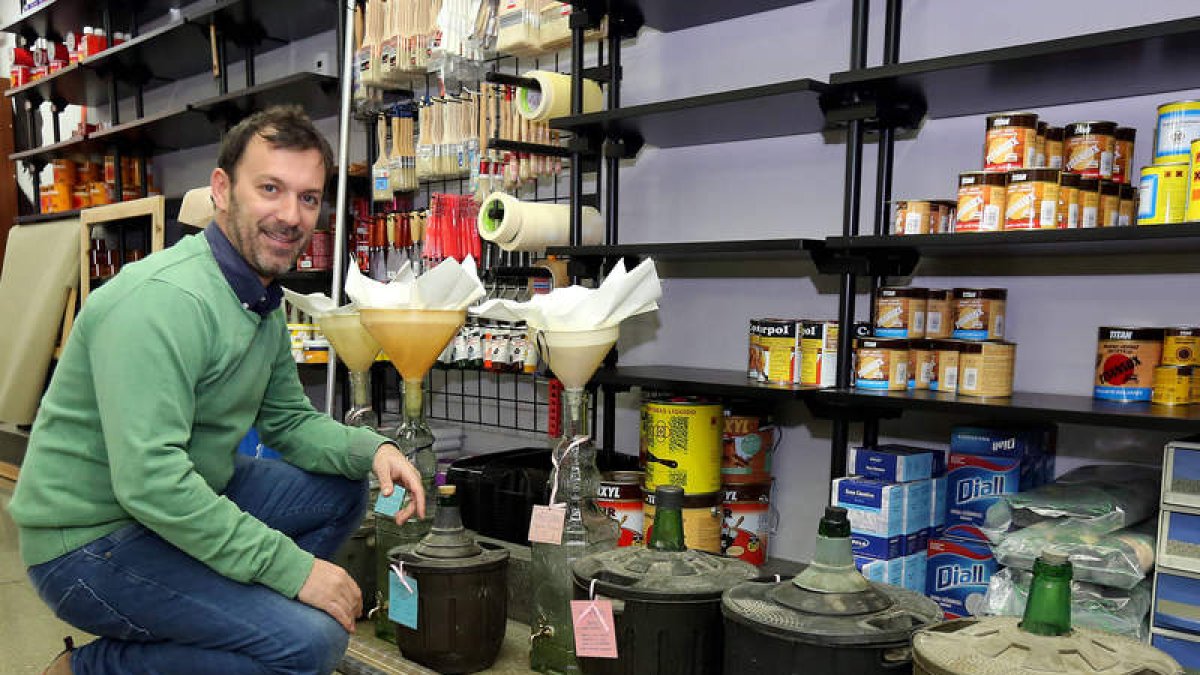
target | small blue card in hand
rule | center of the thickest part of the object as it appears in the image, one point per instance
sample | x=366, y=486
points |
x=388, y=506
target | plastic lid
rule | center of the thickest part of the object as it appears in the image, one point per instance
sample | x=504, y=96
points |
x=641, y=573
x=88, y=30
x=668, y=497
x=835, y=522
x=997, y=646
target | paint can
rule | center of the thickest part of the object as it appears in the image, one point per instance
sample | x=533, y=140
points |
x=881, y=364
x=1178, y=125
x=818, y=353
x=1162, y=194
x=1088, y=148
x=748, y=522
x=1181, y=346
x=1125, y=361
x=620, y=496
x=1172, y=385
x=682, y=441
x=747, y=445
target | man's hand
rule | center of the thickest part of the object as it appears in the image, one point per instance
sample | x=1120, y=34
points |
x=330, y=589
x=391, y=466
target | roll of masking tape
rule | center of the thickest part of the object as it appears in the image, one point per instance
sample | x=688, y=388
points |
x=515, y=225
x=499, y=218
x=554, y=99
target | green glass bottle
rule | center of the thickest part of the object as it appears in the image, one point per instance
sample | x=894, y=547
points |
x=1048, y=611
x=667, y=534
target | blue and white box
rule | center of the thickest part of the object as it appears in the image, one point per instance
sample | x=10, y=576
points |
x=1177, y=601
x=915, y=570
x=887, y=520
x=974, y=484
x=1033, y=446
x=897, y=463
x=937, y=508
x=889, y=572
x=957, y=576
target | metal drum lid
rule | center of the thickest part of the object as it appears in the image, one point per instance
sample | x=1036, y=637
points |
x=903, y=611
x=642, y=573
x=997, y=646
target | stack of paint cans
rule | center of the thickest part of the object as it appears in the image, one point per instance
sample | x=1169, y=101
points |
x=748, y=441
x=945, y=340
x=681, y=445
x=1168, y=191
x=1136, y=364
x=793, y=351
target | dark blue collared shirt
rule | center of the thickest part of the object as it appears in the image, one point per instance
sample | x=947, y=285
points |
x=244, y=282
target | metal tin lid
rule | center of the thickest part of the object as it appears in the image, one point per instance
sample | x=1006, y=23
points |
x=1028, y=120
x=1131, y=333
x=882, y=343
x=880, y=615
x=997, y=646
x=1091, y=127
x=1034, y=175
x=903, y=292
x=985, y=293
x=640, y=573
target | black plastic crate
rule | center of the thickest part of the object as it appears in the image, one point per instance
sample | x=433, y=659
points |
x=497, y=491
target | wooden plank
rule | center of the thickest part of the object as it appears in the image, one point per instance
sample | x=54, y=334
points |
x=9, y=471
x=154, y=207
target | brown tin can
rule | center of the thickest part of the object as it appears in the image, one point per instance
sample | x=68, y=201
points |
x=881, y=364
x=1087, y=197
x=1172, y=385
x=981, y=197
x=1110, y=203
x=1039, y=151
x=1089, y=147
x=1054, y=147
x=1011, y=141
x=1123, y=153
x=939, y=314
x=620, y=496
x=945, y=365
x=1127, y=208
x=754, y=357
x=979, y=313
x=900, y=312
x=702, y=517
x=947, y=215
x=1031, y=201
x=916, y=216
x=986, y=368
x=1125, y=361
x=1068, y=200
x=1181, y=346
x=922, y=364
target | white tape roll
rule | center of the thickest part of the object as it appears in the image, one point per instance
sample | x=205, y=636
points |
x=554, y=99
x=530, y=226
x=499, y=218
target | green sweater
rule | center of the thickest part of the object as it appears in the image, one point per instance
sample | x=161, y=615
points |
x=163, y=374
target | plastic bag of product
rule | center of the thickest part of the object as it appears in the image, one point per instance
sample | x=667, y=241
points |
x=1100, y=499
x=1111, y=610
x=1118, y=559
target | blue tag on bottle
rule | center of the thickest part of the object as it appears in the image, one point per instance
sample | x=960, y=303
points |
x=402, y=601
x=388, y=506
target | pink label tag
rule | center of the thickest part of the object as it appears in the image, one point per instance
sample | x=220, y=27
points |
x=546, y=524
x=595, y=632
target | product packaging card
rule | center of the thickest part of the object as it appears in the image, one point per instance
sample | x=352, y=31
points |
x=973, y=484
x=957, y=576
x=897, y=463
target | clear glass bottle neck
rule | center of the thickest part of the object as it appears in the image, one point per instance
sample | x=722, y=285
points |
x=360, y=389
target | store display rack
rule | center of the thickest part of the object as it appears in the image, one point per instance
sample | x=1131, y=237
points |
x=886, y=99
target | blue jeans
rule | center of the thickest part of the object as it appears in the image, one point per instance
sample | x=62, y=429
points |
x=158, y=610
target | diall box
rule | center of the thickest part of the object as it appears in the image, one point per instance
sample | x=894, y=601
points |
x=973, y=485
x=957, y=576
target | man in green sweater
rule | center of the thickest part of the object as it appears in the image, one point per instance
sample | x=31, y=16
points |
x=138, y=520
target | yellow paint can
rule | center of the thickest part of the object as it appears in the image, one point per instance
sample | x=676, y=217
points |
x=1162, y=194
x=682, y=442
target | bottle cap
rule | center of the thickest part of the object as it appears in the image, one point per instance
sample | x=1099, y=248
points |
x=835, y=522
x=1054, y=555
x=668, y=497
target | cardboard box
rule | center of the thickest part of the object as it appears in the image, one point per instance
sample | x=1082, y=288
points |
x=897, y=463
x=957, y=576
x=889, y=572
x=887, y=520
x=973, y=484
x=1034, y=446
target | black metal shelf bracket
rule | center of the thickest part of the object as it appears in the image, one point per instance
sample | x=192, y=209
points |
x=890, y=262
x=830, y=406
x=877, y=109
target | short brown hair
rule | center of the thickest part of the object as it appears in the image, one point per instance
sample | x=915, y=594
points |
x=283, y=126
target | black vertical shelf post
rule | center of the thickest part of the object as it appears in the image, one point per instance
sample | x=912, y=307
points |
x=850, y=220
x=580, y=19
x=883, y=175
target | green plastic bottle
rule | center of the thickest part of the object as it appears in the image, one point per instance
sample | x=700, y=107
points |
x=1048, y=611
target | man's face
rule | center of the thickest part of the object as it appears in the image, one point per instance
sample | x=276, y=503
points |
x=270, y=211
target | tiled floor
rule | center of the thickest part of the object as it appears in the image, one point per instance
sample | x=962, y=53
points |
x=30, y=636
